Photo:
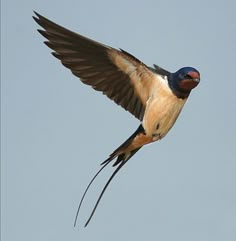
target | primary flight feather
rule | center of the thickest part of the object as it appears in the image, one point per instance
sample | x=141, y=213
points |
x=153, y=95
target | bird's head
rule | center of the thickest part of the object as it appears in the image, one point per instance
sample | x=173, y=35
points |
x=183, y=81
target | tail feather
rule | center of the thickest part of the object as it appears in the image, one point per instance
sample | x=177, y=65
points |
x=122, y=157
x=125, y=157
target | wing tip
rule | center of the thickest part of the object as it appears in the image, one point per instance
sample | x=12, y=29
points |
x=38, y=19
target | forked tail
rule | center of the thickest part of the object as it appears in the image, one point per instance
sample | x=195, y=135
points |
x=123, y=154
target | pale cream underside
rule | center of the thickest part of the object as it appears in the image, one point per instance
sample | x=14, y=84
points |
x=162, y=107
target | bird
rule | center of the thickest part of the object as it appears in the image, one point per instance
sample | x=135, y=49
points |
x=154, y=95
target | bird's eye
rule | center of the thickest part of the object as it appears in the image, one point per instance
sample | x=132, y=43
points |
x=187, y=76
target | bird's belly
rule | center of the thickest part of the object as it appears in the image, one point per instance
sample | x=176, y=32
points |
x=160, y=116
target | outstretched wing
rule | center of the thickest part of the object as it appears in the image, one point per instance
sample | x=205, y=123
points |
x=118, y=74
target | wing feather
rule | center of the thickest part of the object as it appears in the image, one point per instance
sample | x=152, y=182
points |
x=118, y=74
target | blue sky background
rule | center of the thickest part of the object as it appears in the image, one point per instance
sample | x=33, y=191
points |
x=56, y=131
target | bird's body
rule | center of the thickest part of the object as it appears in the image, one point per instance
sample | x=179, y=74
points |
x=162, y=109
x=153, y=95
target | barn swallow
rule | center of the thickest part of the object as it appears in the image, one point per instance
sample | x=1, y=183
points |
x=152, y=94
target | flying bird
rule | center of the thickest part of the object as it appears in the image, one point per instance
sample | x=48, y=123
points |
x=152, y=94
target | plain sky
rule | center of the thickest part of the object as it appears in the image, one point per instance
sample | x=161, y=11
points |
x=56, y=131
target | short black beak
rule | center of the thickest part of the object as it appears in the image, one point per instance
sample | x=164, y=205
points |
x=196, y=80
